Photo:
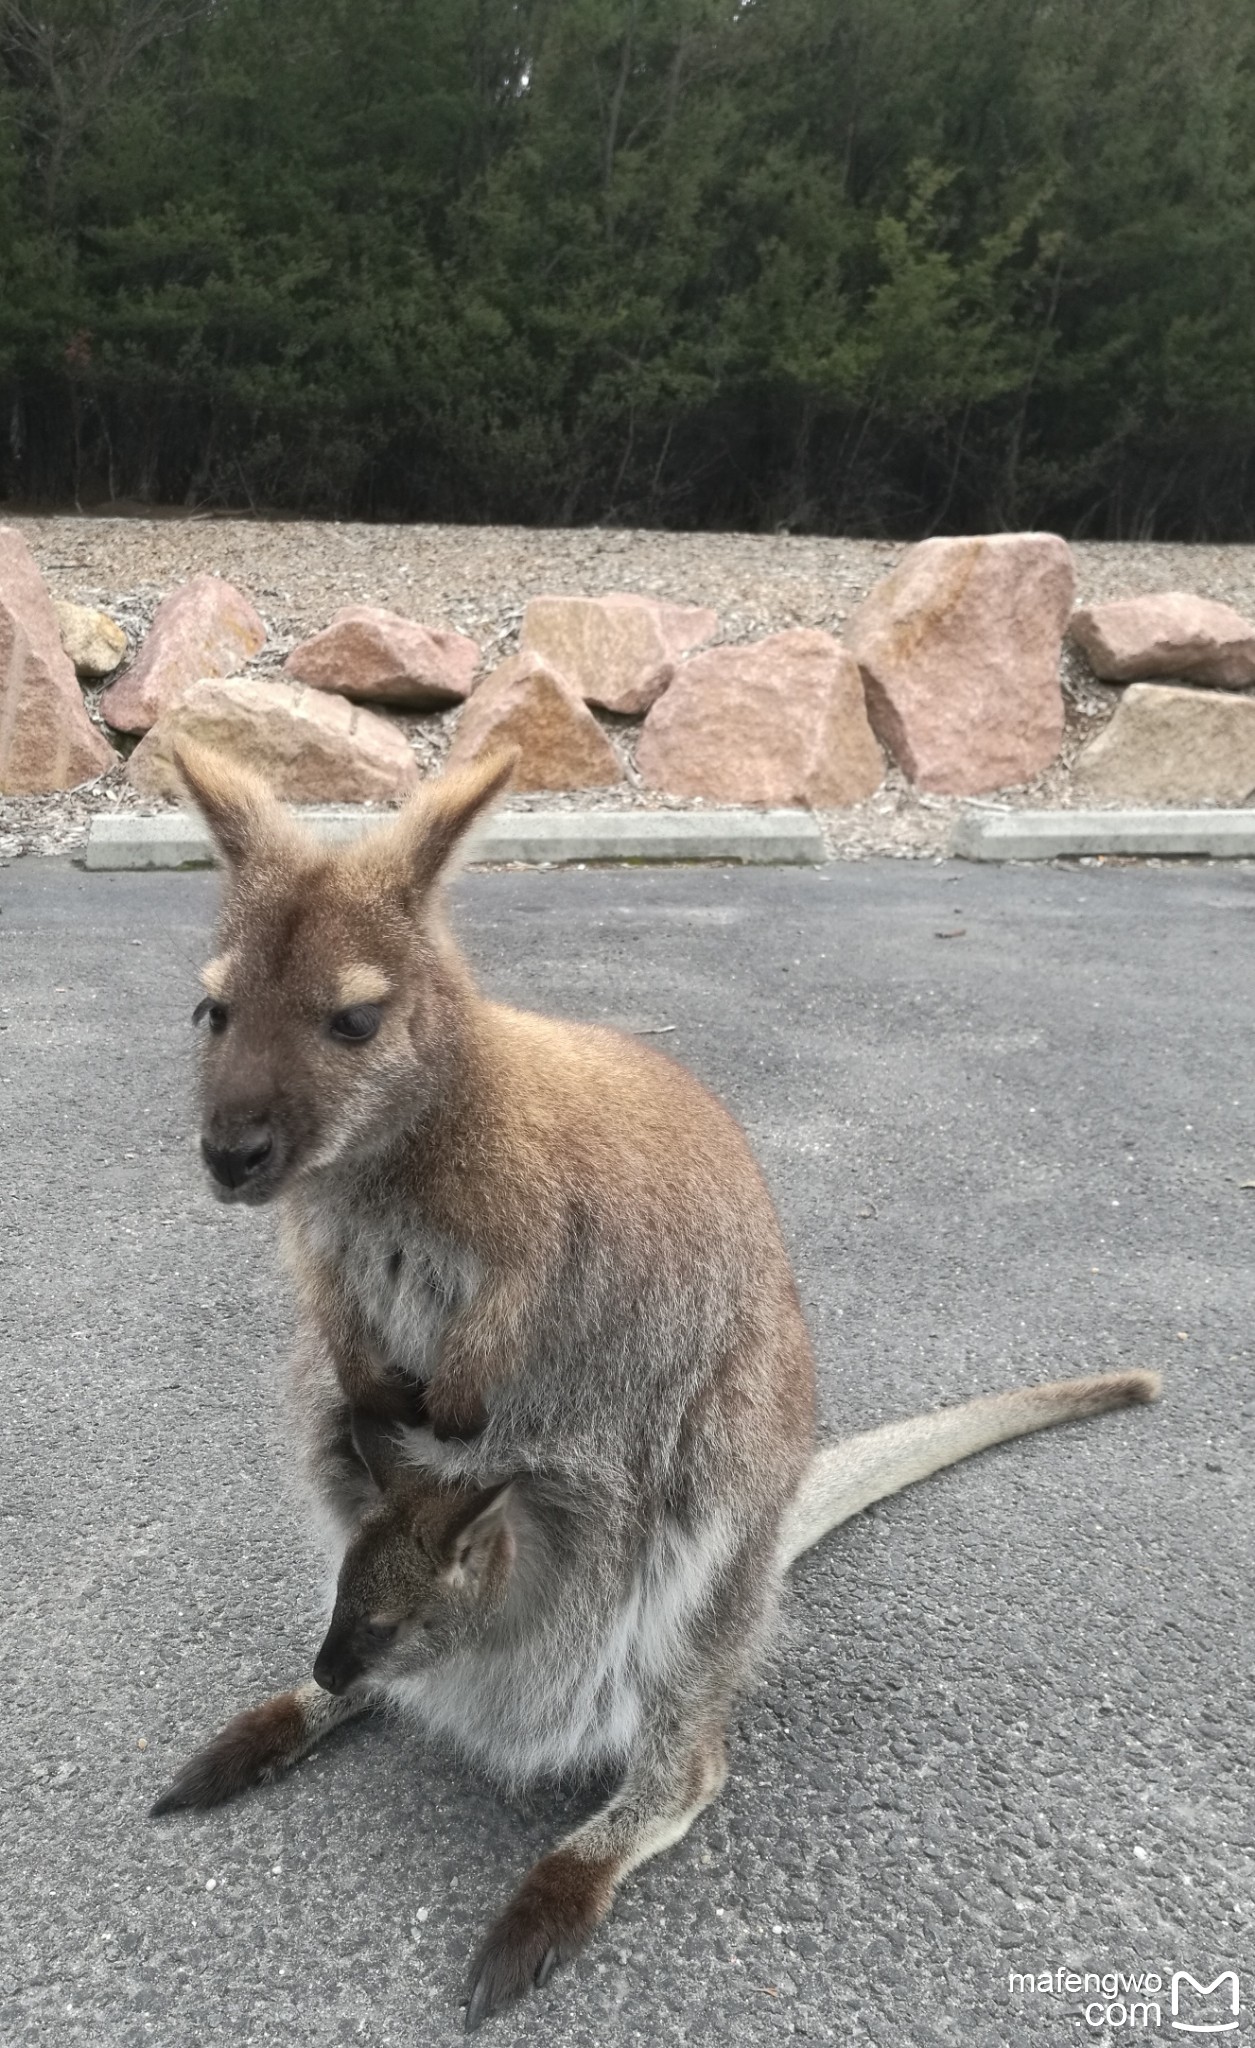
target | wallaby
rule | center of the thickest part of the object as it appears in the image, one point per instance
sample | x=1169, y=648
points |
x=545, y=1252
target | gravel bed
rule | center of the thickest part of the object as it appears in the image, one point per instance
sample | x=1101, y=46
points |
x=478, y=579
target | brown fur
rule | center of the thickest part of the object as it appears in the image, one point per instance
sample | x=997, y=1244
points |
x=254, y=1746
x=502, y=1086
x=551, y=1244
x=560, y=1902
x=614, y=1283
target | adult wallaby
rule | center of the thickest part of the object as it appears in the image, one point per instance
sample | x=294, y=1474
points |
x=551, y=1247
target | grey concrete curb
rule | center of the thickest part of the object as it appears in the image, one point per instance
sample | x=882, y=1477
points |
x=175, y=839
x=1054, y=835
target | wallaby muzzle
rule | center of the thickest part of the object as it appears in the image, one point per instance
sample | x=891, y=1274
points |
x=235, y=1167
x=248, y=1167
x=248, y=1141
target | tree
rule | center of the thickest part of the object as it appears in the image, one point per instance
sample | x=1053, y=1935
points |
x=879, y=265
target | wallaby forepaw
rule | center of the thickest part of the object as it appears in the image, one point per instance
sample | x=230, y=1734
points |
x=547, y=1922
x=253, y=1746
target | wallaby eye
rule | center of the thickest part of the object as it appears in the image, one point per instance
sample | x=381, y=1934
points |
x=356, y=1024
x=216, y=1012
x=378, y=1634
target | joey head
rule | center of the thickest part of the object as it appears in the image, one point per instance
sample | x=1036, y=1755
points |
x=421, y=1571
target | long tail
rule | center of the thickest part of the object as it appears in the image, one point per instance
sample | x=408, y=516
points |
x=847, y=1476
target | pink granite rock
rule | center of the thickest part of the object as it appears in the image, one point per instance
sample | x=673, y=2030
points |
x=780, y=722
x=207, y=628
x=1170, y=633
x=959, y=648
x=619, y=651
x=526, y=704
x=311, y=748
x=1172, y=746
x=47, y=741
x=379, y=657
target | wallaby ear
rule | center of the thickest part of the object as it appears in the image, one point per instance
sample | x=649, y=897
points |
x=416, y=851
x=469, y=1546
x=244, y=816
x=376, y=1446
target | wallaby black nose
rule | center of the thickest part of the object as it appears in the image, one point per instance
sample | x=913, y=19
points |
x=232, y=1165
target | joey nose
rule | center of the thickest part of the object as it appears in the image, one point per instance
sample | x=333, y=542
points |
x=325, y=1675
x=331, y=1672
x=232, y=1166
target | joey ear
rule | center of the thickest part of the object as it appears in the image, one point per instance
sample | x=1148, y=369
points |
x=469, y=1545
x=419, y=847
x=376, y=1446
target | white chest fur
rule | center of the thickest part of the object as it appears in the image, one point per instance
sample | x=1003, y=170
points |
x=404, y=1281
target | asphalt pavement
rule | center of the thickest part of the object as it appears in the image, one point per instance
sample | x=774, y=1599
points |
x=1008, y=1118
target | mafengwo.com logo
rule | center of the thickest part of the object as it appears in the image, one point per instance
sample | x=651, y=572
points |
x=1138, y=2001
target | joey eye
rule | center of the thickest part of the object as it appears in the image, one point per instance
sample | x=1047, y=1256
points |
x=378, y=1634
x=216, y=1013
x=356, y=1024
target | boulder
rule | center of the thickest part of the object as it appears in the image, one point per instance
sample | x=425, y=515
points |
x=620, y=651
x=780, y=722
x=311, y=748
x=380, y=657
x=1172, y=746
x=1170, y=633
x=47, y=741
x=94, y=642
x=959, y=648
x=206, y=628
x=527, y=704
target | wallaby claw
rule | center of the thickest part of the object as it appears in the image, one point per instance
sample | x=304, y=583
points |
x=481, y=2004
x=506, y=1968
x=170, y=1801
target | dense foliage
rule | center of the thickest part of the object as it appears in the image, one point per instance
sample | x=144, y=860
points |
x=856, y=265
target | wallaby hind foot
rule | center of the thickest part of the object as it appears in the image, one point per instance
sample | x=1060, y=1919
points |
x=258, y=1744
x=568, y=1893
